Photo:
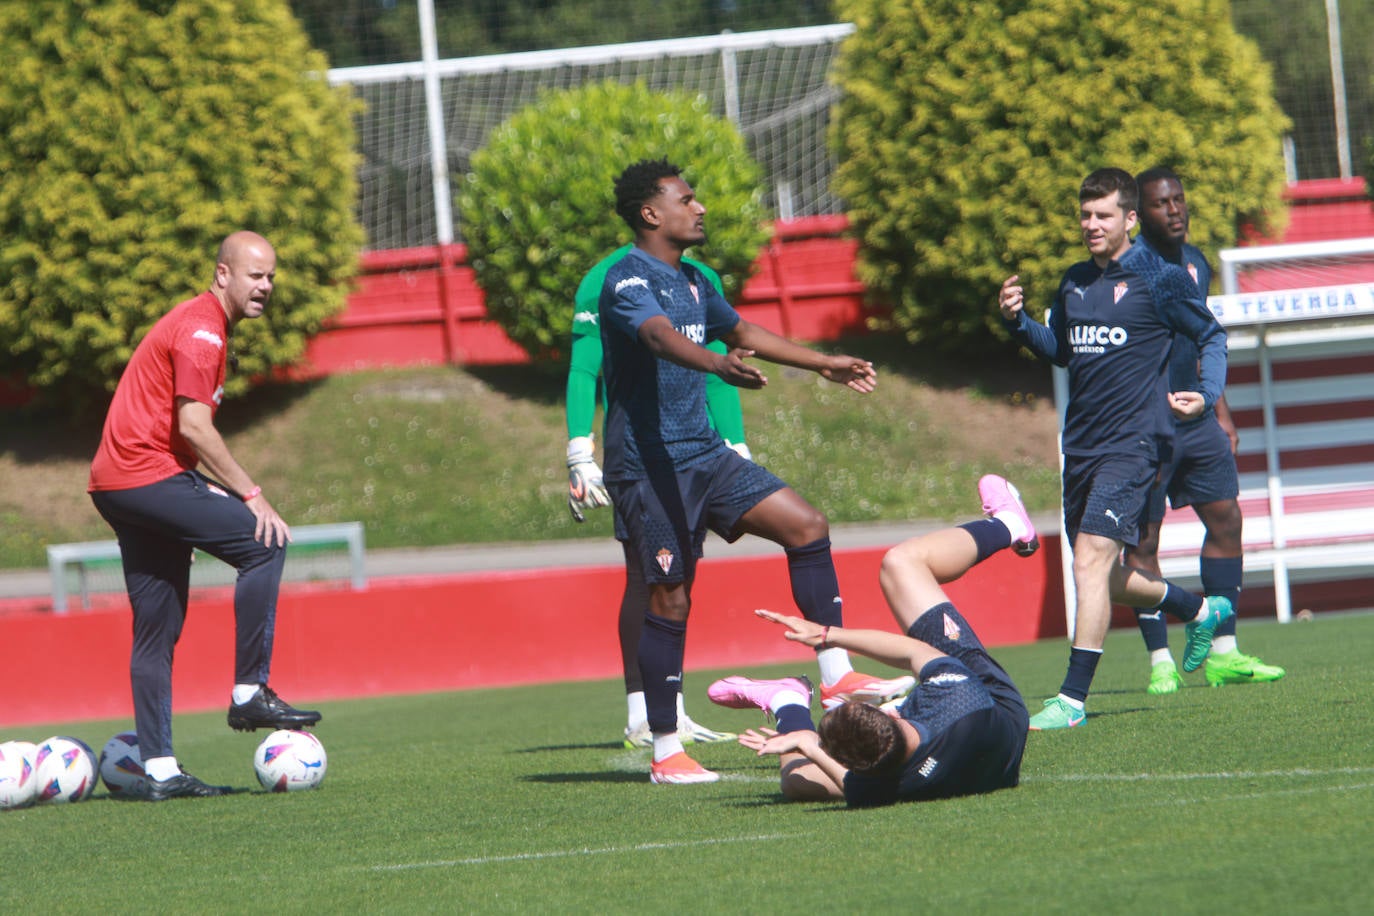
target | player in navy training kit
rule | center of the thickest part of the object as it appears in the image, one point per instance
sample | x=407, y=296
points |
x=1201, y=471
x=670, y=476
x=962, y=729
x=1111, y=324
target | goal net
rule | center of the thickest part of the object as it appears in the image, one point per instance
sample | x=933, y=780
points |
x=773, y=85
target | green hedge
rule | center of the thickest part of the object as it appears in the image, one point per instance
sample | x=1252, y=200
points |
x=539, y=199
x=133, y=137
x=964, y=129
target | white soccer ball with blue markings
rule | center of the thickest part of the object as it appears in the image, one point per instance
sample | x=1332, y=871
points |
x=18, y=787
x=288, y=761
x=65, y=768
x=121, y=767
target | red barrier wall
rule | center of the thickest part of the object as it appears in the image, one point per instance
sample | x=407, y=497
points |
x=423, y=305
x=417, y=635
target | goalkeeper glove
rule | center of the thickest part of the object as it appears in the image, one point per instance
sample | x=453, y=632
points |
x=586, y=489
x=741, y=449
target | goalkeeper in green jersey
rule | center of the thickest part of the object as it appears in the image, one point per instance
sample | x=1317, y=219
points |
x=587, y=491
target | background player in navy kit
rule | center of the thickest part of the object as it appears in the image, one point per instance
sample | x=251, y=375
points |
x=670, y=476
x=1111, y=325
x=961, y=731
x=587, y=489
x=1201, y=471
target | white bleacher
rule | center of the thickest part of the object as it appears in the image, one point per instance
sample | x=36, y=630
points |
x=1301, y=389
x=1303, y=401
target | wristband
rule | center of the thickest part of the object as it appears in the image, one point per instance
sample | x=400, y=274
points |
x=825, y=638
x=252, y=494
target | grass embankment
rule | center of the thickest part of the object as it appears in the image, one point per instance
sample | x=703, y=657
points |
x=438, y=456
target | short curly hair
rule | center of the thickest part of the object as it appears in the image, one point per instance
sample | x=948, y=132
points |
x=862, y=738
x=637, y=185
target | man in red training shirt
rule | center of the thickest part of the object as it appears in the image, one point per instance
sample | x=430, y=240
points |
x=146, y=483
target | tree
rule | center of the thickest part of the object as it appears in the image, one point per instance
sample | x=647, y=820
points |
x=964, y=129
x=540, y=207
x=134, y=135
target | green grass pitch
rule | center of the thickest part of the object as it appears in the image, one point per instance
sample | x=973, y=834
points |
x=1250, y=800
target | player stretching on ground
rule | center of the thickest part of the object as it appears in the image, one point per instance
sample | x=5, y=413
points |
x=1111, y=324
x=962, y=729
x=1201, y=472
x=587, y=490
x=670, y=476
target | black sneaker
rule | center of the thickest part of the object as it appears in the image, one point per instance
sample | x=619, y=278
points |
x=267, y=710
x=182, y=785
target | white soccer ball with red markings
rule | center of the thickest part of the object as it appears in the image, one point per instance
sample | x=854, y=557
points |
x=66, y=769
x=121, y=767
x=18, y=787
x=287, y=761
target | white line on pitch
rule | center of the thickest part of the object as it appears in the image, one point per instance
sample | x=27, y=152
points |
x=564, y=853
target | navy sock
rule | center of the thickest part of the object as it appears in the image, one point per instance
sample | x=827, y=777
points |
x=815, y=587
x=795, y=717
x=661, y=645
x=1180, y=602
x=990, y=534
x=1079, y=678
x=1221, y=576
x=1153, y=627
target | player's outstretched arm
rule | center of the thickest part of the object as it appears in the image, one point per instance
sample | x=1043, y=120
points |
x=891, y=649
x=850, y=371
x=666, y=342
x=824, y=779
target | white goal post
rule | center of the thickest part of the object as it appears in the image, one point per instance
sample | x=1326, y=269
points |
x=774, y=85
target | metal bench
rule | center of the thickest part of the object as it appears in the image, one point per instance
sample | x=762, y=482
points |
x=87, y=556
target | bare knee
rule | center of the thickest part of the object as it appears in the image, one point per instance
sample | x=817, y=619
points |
x=907, y=555
x=1223, y=522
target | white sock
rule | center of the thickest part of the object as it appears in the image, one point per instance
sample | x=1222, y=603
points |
x=1014, y=525
x=786, y=698
x=1076, y=704
x=161, y=768
x=1160, y=656
x=834, y=664
x=638, y=711
x=244, y=692
x=1223, y=644
x=666, y=746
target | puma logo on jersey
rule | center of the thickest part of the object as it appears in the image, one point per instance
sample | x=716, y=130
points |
x=587, y=316
x=1116, y=519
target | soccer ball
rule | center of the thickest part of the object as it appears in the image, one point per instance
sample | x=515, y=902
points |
x=17, y=784
x=290, y=760
x=66, y=770
x=121, y=767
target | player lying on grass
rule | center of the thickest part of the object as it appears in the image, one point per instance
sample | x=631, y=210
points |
x=961, y=730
